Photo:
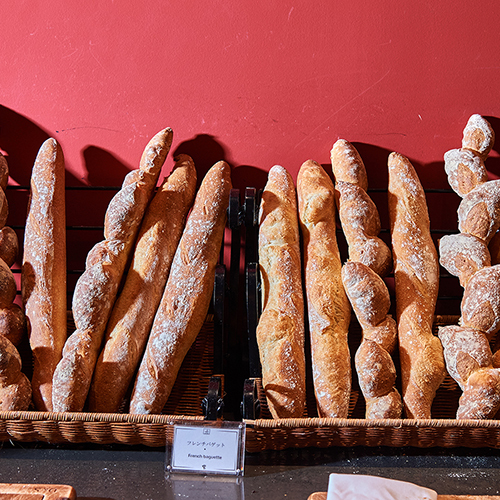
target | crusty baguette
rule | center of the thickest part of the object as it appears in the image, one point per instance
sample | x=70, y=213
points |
x=15, y=387
x=43, y=280
x=135, y=307
x=281, y=331
x=376, y=371
x=416, y=271
x=188, y=292
x=465, y=170
x=478, y=135
x=462, y=255
x=96, y=289
x=328, y=308
x=470, y=363
x=358, y=214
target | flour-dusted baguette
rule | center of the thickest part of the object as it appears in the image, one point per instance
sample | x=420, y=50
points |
x=43, y=279
x=357, y=212
x=96, y=289
x=465, y=170
x=470, y=363
x=135, y=307
x=416, y=271
x=15, y=387
x=376, y=371
x=328, y=308
x=281, y=331
x=186, y=298
x=478, y=135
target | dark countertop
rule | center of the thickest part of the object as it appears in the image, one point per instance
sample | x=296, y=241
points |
x=123, y=473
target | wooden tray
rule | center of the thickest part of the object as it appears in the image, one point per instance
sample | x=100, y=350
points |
x=13, y=491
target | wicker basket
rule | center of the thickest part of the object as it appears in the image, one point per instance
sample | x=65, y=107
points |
x=184, y=403
x=443, y=430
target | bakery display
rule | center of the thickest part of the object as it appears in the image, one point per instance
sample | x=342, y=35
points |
x=416, y=273
x=281, y=331
x=328, y=308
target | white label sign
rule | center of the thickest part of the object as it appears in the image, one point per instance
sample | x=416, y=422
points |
x=206, y=449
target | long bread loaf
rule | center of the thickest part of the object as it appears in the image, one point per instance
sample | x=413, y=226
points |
x=96, y=289
x=280, y=331
x=186, y=299
x=43, y=279
x=416, y=272
x=134, y=310
x=328, y=308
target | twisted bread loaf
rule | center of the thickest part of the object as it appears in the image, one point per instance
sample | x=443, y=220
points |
x=44, y=269
x=134, y=310
x=328, y=308
x=15, y=388
x=416, y=272
x=280, y=331
x=466, y=255
x=186, y=299
x=96, y=289
x=370, y=258
x=358, y=214
x=370, y=301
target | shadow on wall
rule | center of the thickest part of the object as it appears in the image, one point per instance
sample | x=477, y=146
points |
x=103, y=168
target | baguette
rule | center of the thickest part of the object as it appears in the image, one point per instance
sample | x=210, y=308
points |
x=416, y=272
x=96, y=289
x=465, y=170
x=328, y=308
x=478, y=135
x=15, y=387
x=280, y=330
x=134, y=310
x=43, y=278
x=186, y=299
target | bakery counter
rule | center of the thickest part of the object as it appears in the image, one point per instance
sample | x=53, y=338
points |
x=116, y=472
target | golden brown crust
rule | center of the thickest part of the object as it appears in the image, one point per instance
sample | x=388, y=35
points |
x=96, y=289
x=416, y=272
x=134, y=310
x=44, y=269
x=15, y=388
x=347, y=164
x=465, y=169
x=9, y=245
x=478, y=135
x=186, y=299
x=328, y=308
x=280, y=332
x=13, y=323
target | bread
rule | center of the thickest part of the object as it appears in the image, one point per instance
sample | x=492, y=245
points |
x=465, y=169
x=43, y=279
x=96, y=289
x=478, y=135
x=13, y=323
x=188, y=292
x=328, y=309
x=479, y=211
x=9, y=245
x=134, y=310
x=470, y=363
x=370, y=301
x=462, y=255
x=15, y=387
x=480, y=305
x=416, y=272
x=358, y=214
x=280, y=330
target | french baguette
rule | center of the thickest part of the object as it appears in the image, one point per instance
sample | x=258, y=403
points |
x=328, y=308
x=43, y=278
x=281, y=330
x=416, y=272
x=134, y=310
x=186, y=298
x=478, y=135
x=96, y=289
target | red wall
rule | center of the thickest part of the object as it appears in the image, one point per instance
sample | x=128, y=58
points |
x=256, y=83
